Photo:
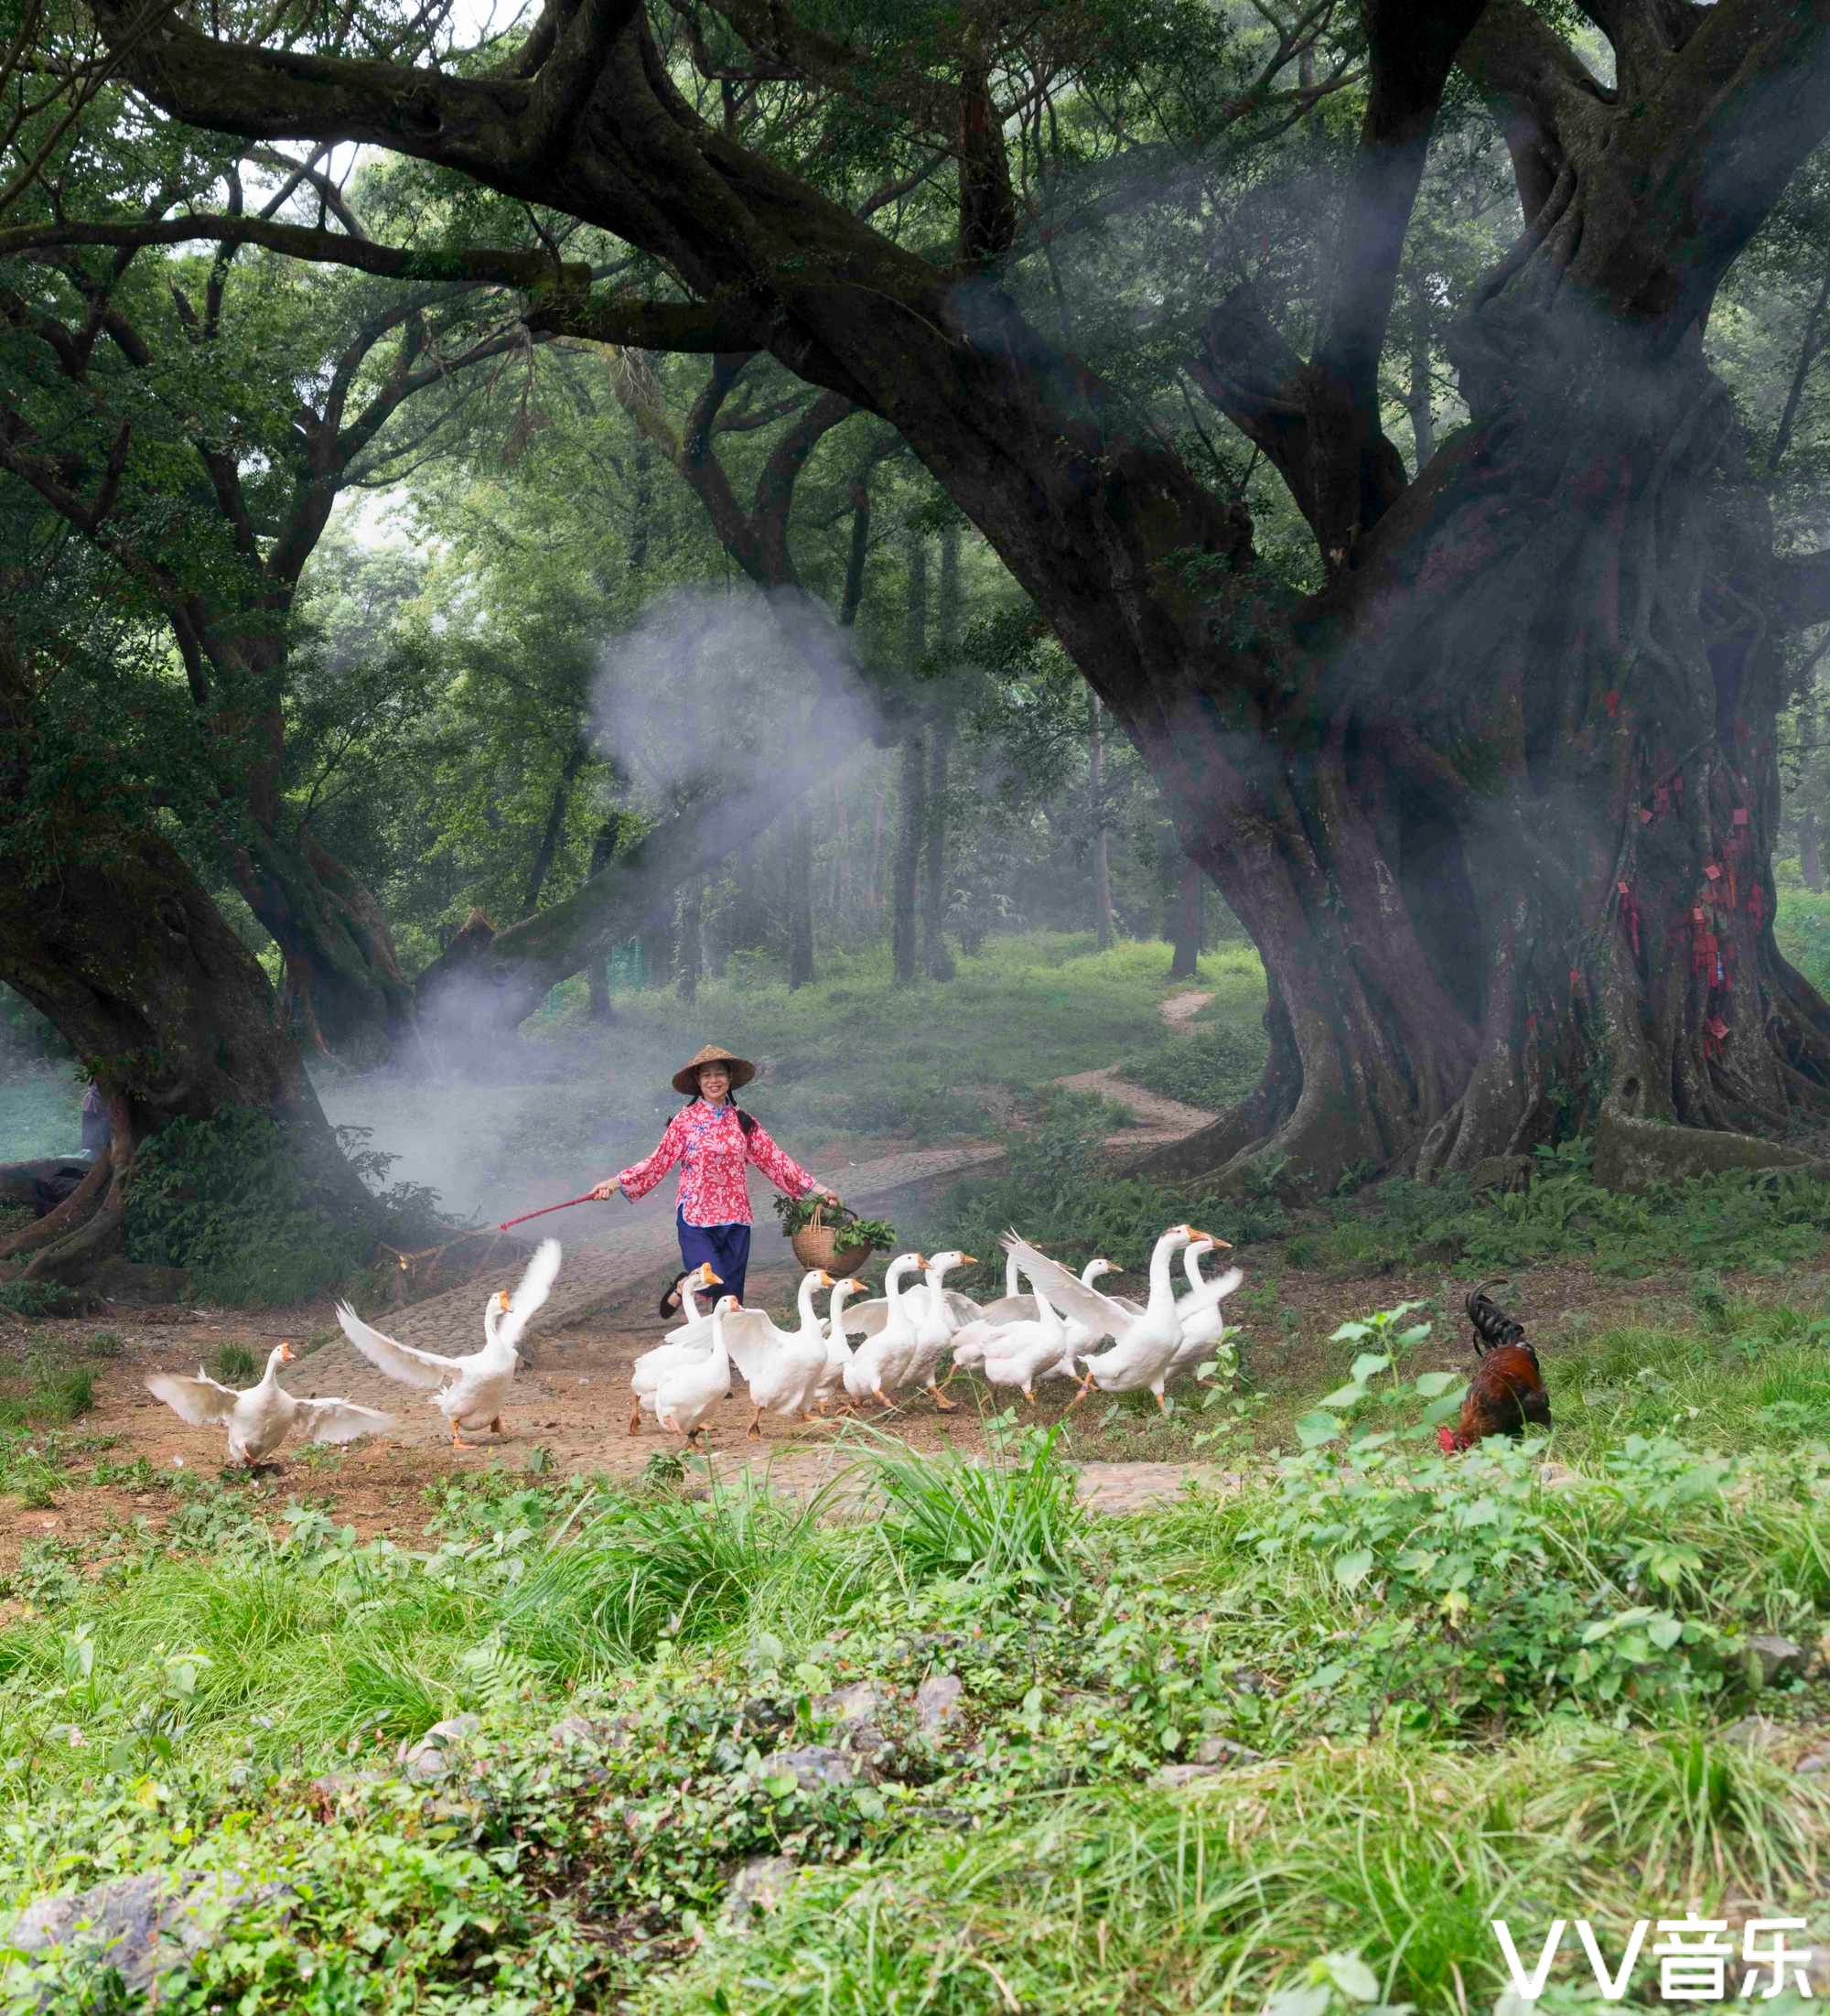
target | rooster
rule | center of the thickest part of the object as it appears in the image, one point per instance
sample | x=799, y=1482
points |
x=1507, y=1390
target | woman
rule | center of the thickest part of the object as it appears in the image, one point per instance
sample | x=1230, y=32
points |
x=713, y=1139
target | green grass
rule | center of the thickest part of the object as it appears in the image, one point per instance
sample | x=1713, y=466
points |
x=1212, y=1067
x=1475, y=1695
x=1801, y=926
x=236, y=1366
x=47, y=1391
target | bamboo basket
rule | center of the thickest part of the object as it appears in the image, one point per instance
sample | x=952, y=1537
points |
x=817, y=1246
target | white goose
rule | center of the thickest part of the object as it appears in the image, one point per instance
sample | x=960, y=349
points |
x=1019, y=1353
x=694, y=1384
x=472, y=1391
x=691, y=1341
x=1014, y=1307
x=838, y=1353
x=261, y=1416
x=782, y=1368
x=1199, y=1311
x=939, y=1313
x=1142, y=1345
x=882, y=1359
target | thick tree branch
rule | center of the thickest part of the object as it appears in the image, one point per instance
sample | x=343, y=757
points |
x=461, y=265
x=1357, y=472
x=1253, y=376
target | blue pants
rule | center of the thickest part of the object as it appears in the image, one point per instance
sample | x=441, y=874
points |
x=726, y=1246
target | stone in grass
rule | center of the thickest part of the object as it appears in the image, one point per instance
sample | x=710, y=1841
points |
x=1813, y=1763
x=814, y=1767
x=430, y=1757
x=1771, y=1659
x=589, y=1732
x=1214, y=1757
x=758, y=1886
x=858, y=1709
x=139, y=1927
x=938, y=1703
x=336, y=1789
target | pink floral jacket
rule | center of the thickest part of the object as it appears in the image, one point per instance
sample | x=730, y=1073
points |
x=713, y=1148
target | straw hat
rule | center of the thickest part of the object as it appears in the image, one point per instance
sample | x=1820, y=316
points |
x=686, y=1079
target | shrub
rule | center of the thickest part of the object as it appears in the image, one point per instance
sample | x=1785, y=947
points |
x=1211, y=1067
x=228, y=1198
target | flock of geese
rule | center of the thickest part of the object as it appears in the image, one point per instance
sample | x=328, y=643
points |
x=1060, y=1327
x=865, y=1352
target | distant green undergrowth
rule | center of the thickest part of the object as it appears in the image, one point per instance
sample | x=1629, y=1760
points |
x=1766, y=1222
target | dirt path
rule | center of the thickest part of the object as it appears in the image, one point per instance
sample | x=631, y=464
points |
x=1158, y=1118
x=569, y=1411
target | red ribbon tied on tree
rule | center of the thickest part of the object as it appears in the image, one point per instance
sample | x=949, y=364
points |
x=1611, y=701
x=1756, y=904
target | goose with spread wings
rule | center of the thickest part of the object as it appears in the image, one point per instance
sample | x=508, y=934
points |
x=1144, y=1342
x=261, y=1416
x=472, y=1391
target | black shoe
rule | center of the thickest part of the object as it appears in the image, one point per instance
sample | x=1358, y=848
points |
x=669, y=1298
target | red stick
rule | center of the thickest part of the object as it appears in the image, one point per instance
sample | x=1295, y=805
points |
x=586, y=1199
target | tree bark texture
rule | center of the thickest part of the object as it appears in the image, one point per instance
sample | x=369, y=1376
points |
x=1184, y=958
x=1103, y=929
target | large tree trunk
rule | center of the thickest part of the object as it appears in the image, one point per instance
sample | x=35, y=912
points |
x=1101, y=836
x=126, y=956
x=1186, y=908
x=1468, y=799
x=1523, y=873
x=345, y=991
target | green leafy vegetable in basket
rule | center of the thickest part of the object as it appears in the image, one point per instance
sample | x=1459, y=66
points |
x=797, y=1213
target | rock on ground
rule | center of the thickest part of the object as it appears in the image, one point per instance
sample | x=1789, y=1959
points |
x=428, y=1759
x=141, y=1926
x=758, y=1886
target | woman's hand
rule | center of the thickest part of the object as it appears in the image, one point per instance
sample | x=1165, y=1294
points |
x=606, y=1190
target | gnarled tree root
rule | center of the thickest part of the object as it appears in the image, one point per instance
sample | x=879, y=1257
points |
x=1632, y=1153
